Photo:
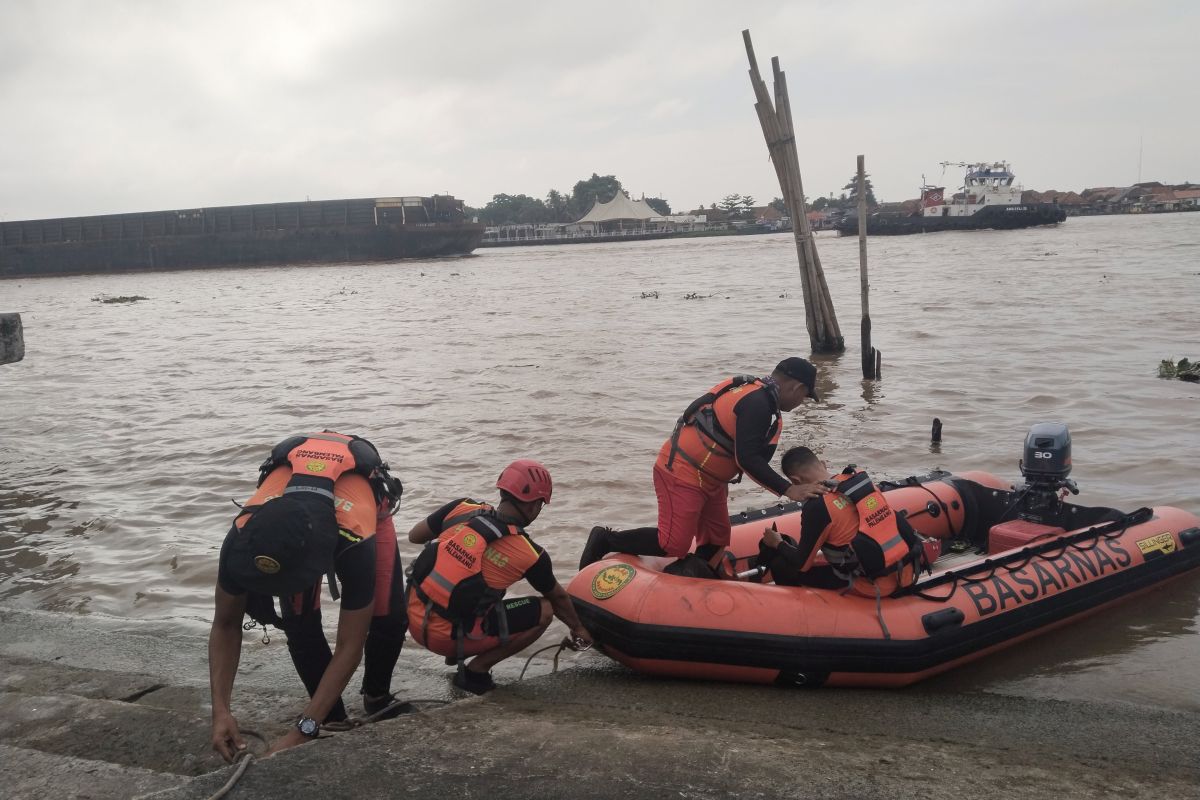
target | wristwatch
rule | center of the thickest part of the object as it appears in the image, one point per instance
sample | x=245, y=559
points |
x=309, y=727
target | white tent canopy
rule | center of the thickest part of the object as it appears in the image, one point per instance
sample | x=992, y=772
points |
x=620, y=207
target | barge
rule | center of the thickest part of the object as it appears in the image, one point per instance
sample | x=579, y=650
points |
x=264, y=235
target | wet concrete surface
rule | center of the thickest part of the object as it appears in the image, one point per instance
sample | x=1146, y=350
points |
x=104, y=708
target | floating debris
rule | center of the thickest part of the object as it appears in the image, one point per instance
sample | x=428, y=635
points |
x=131, y=298
x=697, y=296
x=649, y=295
x=1184, y=370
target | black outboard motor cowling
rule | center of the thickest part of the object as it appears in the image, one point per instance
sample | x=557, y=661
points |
x=1047, y=454
x=1046, y=465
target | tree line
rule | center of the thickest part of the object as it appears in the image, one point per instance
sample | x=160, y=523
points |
x=569, y=206
x=515, y=209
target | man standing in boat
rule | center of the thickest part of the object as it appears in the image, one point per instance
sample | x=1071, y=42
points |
x=731, y=430
x=473, y=553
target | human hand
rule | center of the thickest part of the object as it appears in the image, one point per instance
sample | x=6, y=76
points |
x=802, y=491
x=579, y=639
x=771, y=537
x=289, y=739
x=226, y=739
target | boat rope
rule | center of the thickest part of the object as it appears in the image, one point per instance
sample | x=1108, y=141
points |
x=1049, y=551
x=557, y=652
x=246, y=758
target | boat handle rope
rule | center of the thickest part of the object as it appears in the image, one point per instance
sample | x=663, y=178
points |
x=1043, y=551
x=949, y=520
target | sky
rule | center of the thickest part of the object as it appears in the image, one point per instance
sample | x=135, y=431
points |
x=118, y=106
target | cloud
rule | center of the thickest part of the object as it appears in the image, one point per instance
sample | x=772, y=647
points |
x=127, y=106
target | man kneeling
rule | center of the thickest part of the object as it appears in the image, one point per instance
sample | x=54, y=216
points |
x=852, y=526
x=473, y=553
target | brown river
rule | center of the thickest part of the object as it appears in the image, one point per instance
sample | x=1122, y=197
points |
x=129, y=428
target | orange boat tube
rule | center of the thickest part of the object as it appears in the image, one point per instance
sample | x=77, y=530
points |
x=1003, y=577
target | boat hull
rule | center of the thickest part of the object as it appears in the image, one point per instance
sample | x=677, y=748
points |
x=273, y=234
x=671, y=625
x=995, y=217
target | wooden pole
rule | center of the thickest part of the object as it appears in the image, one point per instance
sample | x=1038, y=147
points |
x=778, y=131
x=868, y=352
x=12, y=338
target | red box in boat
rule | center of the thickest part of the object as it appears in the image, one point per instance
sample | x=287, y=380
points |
x=933, y=549
x=1018, y=533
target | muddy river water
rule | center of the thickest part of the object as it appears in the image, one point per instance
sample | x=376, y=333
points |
x=129, y=428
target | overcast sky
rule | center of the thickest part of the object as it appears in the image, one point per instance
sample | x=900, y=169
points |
x=134, y=106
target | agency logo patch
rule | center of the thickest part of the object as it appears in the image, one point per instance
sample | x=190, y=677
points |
x=315, y=466
x=470, y=540
x=872, y=504
x=611, y=580
x=266, y=565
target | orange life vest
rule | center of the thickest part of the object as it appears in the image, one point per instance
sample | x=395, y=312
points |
x=319, y=459
x=455, y=586
x=703, y=442
x=353, y=502
x=878, y=544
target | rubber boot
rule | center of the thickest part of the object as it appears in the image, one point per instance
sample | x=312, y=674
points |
x=602, y=541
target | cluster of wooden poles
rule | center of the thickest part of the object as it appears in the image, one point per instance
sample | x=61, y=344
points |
x=775, y=117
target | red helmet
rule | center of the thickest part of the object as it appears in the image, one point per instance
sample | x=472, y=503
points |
x=526, y=479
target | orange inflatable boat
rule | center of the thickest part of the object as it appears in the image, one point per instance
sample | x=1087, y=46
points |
x=1011, y=562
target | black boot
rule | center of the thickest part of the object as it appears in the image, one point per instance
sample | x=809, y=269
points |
x=602, y=541
x=597, y=546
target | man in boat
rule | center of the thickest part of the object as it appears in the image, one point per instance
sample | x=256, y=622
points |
x=851, y=525
x=323, y=507
x=732, y=429
x=473, y=553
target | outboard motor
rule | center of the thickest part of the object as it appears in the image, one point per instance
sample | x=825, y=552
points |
x=1045, y=467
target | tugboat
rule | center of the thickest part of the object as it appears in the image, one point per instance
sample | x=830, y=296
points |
x=988, y=199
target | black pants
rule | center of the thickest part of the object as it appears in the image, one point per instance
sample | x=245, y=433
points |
x=819, y=577
x=311, y=653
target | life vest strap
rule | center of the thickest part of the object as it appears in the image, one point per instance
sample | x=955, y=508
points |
x=313, y=489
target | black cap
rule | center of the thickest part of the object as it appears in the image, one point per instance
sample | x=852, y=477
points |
x=285, y=547
x=802, y=370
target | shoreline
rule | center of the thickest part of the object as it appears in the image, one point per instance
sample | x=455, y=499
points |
x=103, y=707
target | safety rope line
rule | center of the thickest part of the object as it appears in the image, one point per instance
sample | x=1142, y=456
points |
x=560, y=647
x=1043, y=551
x=246, y=758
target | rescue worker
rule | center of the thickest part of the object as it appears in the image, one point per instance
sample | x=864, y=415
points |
x=473, y=553
x=732, y=429
x=323, y=506
x=852, y=526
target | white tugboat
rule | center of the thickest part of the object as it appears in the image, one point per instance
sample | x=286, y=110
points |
x=988, y=198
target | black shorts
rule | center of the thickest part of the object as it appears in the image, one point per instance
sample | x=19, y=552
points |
x=522, y=613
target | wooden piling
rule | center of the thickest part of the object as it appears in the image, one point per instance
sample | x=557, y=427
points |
x=775, y=118
x=869, y=357
x=12, y=339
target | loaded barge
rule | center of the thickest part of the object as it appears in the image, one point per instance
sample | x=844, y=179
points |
x=271, y=234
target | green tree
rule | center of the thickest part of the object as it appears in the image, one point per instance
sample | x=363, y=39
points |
x=731, y=204
x=558, y=205
x=598, y=188
x=747, y=205
x=853, y=187
x=779, y=205
x=508, y=209
x=659, y=205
